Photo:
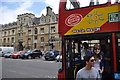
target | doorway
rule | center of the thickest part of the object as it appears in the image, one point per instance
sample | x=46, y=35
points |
x=73, y=48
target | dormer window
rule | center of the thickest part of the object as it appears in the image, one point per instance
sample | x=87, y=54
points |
x=53, y=18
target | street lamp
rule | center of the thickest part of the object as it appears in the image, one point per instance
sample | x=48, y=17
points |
x=48, y=36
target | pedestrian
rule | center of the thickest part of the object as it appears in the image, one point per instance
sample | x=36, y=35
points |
x=105, y=47
x=88, y=72
x=99, y=61
x=85, y=49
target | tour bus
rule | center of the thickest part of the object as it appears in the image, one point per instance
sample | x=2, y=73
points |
x=4, y=50
x=93, y=22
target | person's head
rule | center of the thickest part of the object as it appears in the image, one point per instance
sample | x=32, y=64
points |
x=96, y=49
x=89, y=59
x=103, y=42
x=85, y=45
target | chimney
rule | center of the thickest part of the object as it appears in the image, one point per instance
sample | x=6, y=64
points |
x=91, y=3
x=49, y=10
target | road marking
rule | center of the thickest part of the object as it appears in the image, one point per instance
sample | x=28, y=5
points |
x=12, y=71
x=51, y=77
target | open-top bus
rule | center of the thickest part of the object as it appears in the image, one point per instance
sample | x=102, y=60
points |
x=93, y=23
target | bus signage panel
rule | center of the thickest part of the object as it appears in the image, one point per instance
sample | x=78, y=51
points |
x=73, y=19
x=94, y=21
x=114, y=17
x=87, y=30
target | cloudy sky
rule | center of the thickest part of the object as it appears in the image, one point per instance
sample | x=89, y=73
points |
x=9, y=9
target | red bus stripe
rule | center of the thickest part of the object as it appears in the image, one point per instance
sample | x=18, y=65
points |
x=114, y=51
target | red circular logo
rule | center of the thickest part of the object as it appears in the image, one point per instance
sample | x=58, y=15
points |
x=73, y=19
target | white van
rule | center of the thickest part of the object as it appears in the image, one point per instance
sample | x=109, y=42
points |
x=4, y=50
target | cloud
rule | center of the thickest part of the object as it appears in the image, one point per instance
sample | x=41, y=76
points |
x=24, y=8
x=21, y=0
x=9, y=15
x=54, y=4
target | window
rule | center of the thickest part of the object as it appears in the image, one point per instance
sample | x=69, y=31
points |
x=35, y=37
x=52, y=38
x=42, y=39
x=53, y=30
x=36, y=31
x=118, y=50
x=8, y=40
x=4, y=40
x=53, y=18
x=29, y=31
x=42, y=19
x=12, y=39
x=8, y=32
x=35, y=45
x=13, y=32
x=73, y=4
x=29, y=40
x=4, y=33
x=42, y=30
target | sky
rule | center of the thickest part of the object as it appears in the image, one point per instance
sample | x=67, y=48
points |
x=9, y=9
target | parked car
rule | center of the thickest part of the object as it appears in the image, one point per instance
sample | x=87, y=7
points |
x=30, y=54
x=4, y=50
x=8, y=55
x=16, y=54
x=59, y=58
x=43, y=52
x=22, y=54
x=51, y=55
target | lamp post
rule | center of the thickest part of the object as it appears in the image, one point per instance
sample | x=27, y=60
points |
x=20, y=40
x=48, y=36
x=33, y=31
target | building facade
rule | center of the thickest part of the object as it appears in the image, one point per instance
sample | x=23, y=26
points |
x=30, y=32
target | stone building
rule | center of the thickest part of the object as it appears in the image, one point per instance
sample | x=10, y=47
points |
x=30, y=32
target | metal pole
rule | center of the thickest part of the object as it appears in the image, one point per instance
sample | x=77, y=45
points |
x=49, y=36
x=33, y=37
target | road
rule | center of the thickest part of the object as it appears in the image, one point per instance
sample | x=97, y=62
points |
x=34, y=68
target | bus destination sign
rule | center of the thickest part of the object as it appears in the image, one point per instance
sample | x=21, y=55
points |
x=114, y=17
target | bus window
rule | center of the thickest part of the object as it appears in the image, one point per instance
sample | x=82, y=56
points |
x=73, y=4
x=118, y=51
